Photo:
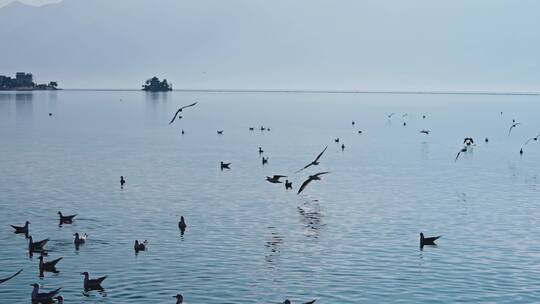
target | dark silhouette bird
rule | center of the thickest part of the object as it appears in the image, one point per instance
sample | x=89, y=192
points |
x=179, y=299
x=423, y=116
x=336, y=140
x=289, y=302
x=359, y=132
x=10, y=277
x=183, y=132
x=140, y=246
x=48, y=266
x=404, y=123
x=310, y=179
x=36, y=246
x=390, y=115
x=352, y=123
x=220, y=132
x=180, y=110
x=315, y=162
x=265, y=160
x=342, y=147
x=80, y=239
x=251, y=128
x=275, y=179
x=225, y=165
x=263, y=128
x=531, y=139
x=261, y=151
x=427, y=240
x=464, y=149
x=50, y=114
x=59, y=300
x=424, y=131
x=92, y=284
x=521, y=151
x=288, y=185
x=182, y=225
x=486, y=140
x=43, y=297
x=468, y=141
x=122, y=181
x=21, y=229
x=515, y=124
x=66, y=219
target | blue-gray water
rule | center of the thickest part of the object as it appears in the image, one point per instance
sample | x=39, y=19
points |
x=250, y=241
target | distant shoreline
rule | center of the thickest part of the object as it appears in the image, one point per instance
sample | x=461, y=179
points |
x=390, y=92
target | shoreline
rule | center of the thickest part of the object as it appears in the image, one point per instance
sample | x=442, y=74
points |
x=390, y=92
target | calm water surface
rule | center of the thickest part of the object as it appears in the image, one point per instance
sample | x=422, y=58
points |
x=351, y=238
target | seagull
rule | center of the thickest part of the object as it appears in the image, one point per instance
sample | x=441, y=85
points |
x=264, y=160
x=220, y=132
x=36, y=246
x=310, y=179
x=92, y=284
x=182, y=225
x=288, y=185
x=275, y=179
x=521, y=151
x=225, y=165
x=10, y=277
x=534, y=138
x=390, y=115
x=183, y=132
x=404, y=123
x=423, y=116
x=48, y=266
x=80, y=239
x=359, y=131
x=122, y=181
x=140, y=246
x=289, y=302
x=515, y=124
x=50, y=114
x=44, y=297
x=179, y=299
x=464, y=149
x=21, y=229
x=261, y=151
x=60, y=300
x=336, y=140
x=66, y=219
x=424, y=131
x=427, y=240
x=315, y=162
x=342, y=147
x=352, y=123
x=486, y=140
x=251, y=128
x=468, y=141
x=263, y=128
x=180, y=110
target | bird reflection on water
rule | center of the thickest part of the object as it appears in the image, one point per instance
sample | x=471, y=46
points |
x=312, y=218
x=273, y=244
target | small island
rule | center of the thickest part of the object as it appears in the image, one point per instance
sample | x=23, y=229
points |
x=24, y=82
x=155, y=85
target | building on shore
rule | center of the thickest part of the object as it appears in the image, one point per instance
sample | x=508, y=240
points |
x=24, y=82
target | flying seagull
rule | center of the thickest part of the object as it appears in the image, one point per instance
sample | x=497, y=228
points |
x=310, y=179
x=275, y=179
x=10, y=277
x=92, y=284
x=424, y=131
x=288, y=185
x=427, y=240
x=43, y=297
x=534, y=138
x=513, y=126
x=180, y=110
x=468, y=141
x=315, y=162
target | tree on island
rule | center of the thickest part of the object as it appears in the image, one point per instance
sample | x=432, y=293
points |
x=155, y=85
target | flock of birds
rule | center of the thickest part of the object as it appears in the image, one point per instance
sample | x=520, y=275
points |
x=90, y=284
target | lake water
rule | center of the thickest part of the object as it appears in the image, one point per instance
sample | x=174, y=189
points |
x=350, y=238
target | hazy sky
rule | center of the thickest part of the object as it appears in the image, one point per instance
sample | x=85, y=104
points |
x=280, y=44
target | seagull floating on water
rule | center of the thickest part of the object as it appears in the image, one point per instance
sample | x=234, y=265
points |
x=220, y=132
x=80, y=239
x=224, y=165
x=261, y=151
x=36, y=246
x=43, y=297
x=315, y=162
x=180, y=110
x=122, y=181
x=66, y=219
x=92, y=284
x=21, y=229
x=310, y=179
x=265, y=160
x=182, y=225
x=427, y=240
x=179, y=299
x=11, y=276
x=140, y=246
x=288, y=185
x=48, y=266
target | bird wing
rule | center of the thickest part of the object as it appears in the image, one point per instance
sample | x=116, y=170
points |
x=175, y=114
x=279, y=176
x=432, y=239
x=191, y=105
x=54, y=262
x=320, y=173
x=528, y=140
x=11, y=277
x=320, y=154
x=41, y=243
x=310, y=302
x=304, y=185
x=305, y=167
x=52, y=293
x=99, y=280
x=457, y=155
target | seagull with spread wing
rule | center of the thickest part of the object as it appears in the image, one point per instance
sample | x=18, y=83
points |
x=534, y=138
x=180, y=110
x=310, y=179
x=10, y=277
x=275, y=179
x=315, y=162
x=513, y=126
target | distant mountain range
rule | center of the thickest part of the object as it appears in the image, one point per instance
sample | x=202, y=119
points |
x=280, y=44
